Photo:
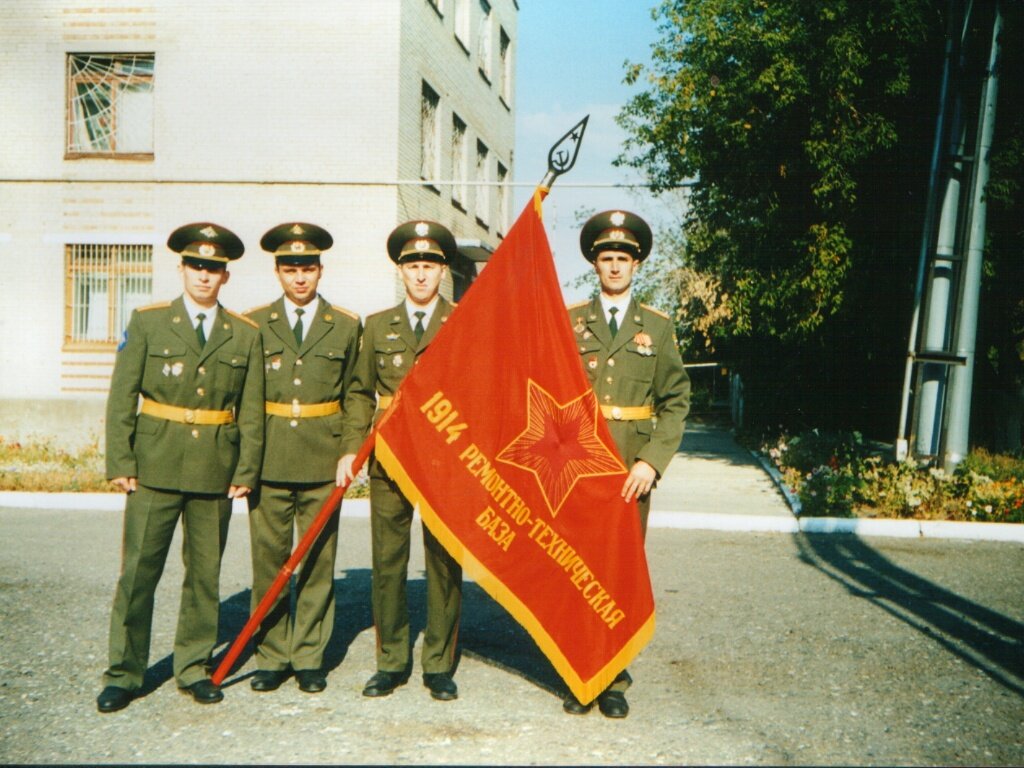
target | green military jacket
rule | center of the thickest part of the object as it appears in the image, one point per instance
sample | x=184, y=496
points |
x=306, y=450
x=640, y=367
x=160, y=360
x=388, y=352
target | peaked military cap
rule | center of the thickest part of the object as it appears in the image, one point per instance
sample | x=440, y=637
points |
x=421, y=240
x=296, y=243
x=206, y=246
x=615, y=231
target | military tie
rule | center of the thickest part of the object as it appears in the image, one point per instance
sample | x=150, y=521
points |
x=418, y=328
x=613, y=324
x=200, y=332
x=298, y=326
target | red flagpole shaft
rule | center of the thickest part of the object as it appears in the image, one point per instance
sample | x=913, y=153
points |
x=329, y=508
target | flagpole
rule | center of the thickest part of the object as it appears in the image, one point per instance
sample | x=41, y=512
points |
x=561, y=158
x=329, y=509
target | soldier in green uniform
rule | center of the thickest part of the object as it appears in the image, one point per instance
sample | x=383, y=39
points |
x=631, y=357
x=184, y=438
x=391, y=343
x=309, y=351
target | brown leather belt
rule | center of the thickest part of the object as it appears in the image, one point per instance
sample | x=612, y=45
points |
x=627, y=412
x=185, y=415
x=297, y=410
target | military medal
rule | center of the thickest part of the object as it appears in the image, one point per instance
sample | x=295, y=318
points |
x=392, y=337
x=177, y=368
x=166, y=370
x=397, y=361
x=592, y=363
x=579, y=325
x=276, y=363
x=644, y=344
x=587, y=334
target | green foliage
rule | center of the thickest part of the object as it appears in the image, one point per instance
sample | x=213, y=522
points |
x=807, y=126
x=839, y=475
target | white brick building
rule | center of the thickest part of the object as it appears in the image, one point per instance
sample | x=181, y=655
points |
x=123, y=120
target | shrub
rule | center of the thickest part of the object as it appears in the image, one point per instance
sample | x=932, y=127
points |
x=838, y=475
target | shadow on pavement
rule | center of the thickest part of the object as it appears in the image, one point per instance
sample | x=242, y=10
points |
x=983, y=638
x=487, y=633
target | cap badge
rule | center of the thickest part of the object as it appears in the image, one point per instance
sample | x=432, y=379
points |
x=617, y=234
x=422, y=228
x=208, y=232
x=298, y=247
x=206, y=250
x=618, y=218
x=422, y=245
x=297, y=230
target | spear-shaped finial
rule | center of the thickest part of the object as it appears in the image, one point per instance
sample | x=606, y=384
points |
x=562, y=156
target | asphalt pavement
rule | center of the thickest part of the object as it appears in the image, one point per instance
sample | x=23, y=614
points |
x=774, y=646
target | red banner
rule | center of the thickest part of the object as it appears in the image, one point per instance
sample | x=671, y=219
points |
x=497, y=436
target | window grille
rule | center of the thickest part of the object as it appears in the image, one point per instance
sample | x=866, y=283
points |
x=460, y=162
x=483, y=51
x=430, y=134
x=483, y=190
x=505, y=54
x=462, y=22
x=110, y=105
x=103, y=284
x=502, y=200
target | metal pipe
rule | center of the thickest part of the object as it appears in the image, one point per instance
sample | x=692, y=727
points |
x=961, y=383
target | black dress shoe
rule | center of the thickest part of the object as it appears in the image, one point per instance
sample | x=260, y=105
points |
x=113, y=698
x=441, y=685
x=572, y=706
x=268, y=679
x=204, y=692
x=612, y=704
x=383, y=683
x=311, y=680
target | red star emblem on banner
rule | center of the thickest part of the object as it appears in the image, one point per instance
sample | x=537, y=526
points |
x=560, y=444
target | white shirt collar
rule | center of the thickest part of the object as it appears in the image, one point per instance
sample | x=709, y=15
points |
x=194, y=309
x=621, y=302
x=428, y=311
x=308, y=312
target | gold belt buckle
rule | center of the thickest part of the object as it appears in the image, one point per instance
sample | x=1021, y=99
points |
x=296, y=408
x=190, y=416
x=616, y=413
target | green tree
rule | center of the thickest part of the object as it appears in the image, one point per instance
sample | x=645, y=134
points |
x=807, y=126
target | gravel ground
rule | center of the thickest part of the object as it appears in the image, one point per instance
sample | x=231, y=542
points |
x=770, y=649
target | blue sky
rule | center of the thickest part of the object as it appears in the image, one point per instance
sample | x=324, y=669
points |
x=570, y=63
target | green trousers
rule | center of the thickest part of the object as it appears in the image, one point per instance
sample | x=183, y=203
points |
x=276, y=512
x=150, y=518
x=390, y=527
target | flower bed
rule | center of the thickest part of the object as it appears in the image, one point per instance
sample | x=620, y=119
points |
x=841, y=475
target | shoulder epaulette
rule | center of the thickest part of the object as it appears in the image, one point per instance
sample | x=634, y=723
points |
x=158, y=305
x=577, y=305
x=344, y=311
x=658, y=312
x=243, y=318
x=256, y=309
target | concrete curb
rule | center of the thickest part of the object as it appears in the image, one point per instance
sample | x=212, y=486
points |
x=114, y=502
x=679, y=519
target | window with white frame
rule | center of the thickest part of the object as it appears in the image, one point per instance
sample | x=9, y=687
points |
x=502, y=197
x=462, y=22
x=102, y=285
x=460, y=162
x=430, y=134
x=505, y=55
x=110, y=105
x=483, y=42
x=483, y=189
